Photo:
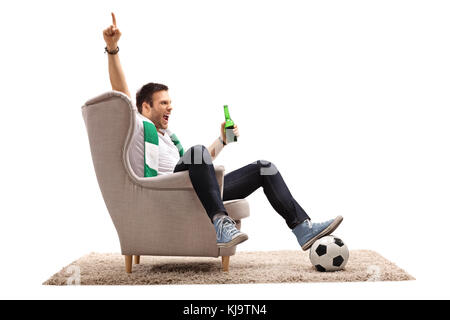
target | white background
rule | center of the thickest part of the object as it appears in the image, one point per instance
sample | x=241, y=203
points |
x=349, y=99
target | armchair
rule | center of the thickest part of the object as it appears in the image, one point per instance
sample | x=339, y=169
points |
x=159, y=216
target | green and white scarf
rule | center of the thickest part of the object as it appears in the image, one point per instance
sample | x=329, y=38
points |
x=151, y=148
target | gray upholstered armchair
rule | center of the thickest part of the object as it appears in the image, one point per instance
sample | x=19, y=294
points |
x=159, y=216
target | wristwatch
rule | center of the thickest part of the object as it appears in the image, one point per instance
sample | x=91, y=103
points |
x=223, y=142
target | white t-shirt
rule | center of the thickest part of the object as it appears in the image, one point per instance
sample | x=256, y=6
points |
x=168, y=152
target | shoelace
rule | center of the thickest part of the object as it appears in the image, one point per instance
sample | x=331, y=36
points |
x=317, y=224
x=308, y=222
x=225, y=226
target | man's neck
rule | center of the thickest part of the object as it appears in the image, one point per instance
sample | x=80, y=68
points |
x=157, y=129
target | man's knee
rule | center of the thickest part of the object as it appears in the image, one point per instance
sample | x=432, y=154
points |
x=199, y=147
x=197, y=154
x=201, y=155
x=266, y=168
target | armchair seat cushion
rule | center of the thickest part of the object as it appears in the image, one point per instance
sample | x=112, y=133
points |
x=237, y=209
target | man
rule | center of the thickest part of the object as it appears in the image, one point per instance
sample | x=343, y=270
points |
x=154, y=104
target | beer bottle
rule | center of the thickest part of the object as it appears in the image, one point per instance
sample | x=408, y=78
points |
x=229, y=125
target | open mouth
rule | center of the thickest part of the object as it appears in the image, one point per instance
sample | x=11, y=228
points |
x=166, y=117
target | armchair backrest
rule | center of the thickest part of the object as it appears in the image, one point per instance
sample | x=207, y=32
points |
x=108, y=118
x=143, y=210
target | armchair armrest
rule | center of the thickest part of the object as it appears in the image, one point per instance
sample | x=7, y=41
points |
x=177, y=180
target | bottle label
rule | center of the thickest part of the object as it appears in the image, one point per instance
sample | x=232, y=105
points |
x=231, y=137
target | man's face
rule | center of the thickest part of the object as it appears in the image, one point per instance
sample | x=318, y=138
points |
x=161, y=110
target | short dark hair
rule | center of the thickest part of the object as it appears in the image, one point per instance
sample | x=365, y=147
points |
x=145, y=94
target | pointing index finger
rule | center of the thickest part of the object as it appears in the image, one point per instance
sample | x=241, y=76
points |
x=114, y=19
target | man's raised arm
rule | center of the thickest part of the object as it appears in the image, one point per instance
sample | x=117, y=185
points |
x=116, y=76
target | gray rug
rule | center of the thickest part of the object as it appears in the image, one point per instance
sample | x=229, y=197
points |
x=245, y=267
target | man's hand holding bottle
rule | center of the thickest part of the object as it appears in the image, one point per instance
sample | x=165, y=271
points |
x=229, y=130
x=223, y=131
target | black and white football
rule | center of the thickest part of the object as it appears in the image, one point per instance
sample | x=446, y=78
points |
x=329, y=254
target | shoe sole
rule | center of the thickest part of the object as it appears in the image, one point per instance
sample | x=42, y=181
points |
x=239, y=239
x=328, y=230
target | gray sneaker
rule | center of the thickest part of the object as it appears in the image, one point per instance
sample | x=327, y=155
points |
x=227, y=234
x=307, y=233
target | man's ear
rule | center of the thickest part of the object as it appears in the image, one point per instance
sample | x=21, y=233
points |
x=145, y=107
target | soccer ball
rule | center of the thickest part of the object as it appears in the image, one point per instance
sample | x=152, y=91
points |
x=329, y=254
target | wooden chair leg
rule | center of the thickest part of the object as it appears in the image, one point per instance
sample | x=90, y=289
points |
x=128, y=264
x=137, y=259
x=225, y=263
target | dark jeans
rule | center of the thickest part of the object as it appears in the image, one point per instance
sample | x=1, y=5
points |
x=238, y=184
